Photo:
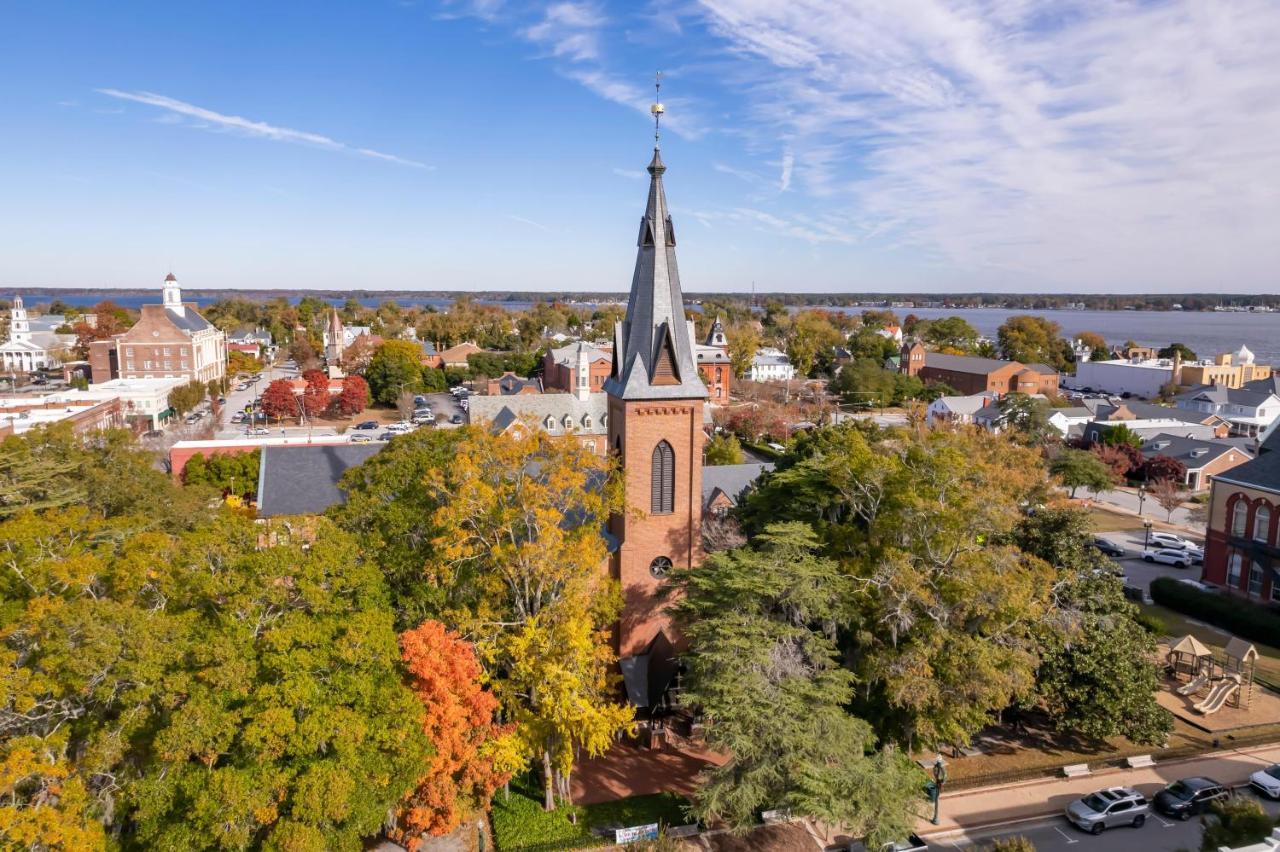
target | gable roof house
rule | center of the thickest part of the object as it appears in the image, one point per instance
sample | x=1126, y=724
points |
x=957, y=409
x=1203, y=459
x=1251, y=413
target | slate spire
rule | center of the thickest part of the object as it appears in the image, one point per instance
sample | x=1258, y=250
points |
x=652, y=347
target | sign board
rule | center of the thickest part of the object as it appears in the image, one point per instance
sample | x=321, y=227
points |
x=638, y=832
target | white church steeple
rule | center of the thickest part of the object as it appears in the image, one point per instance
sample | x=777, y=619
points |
x=19, y=326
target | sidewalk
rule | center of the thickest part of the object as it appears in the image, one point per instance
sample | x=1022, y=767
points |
x=1125, y=502
x=967, y=810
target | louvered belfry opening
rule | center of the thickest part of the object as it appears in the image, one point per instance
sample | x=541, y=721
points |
x=665, y=371
x=662, y=500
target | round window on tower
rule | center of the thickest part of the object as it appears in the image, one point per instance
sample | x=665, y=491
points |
x=660, y=567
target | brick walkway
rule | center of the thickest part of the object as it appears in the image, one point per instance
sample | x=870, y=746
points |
x=629, y=770
x=970, y=809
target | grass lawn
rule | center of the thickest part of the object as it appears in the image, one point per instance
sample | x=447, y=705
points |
x=1179, y=625
x=1105, y=521
x=519, y=822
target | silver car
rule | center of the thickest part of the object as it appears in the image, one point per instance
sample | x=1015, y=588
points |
x=1107, y=809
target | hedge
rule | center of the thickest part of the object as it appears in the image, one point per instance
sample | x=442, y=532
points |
x=1239, y=617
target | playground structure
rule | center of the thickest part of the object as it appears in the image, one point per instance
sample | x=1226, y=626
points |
x=1228, y=680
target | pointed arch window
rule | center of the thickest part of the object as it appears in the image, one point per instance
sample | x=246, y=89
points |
x=662, y=498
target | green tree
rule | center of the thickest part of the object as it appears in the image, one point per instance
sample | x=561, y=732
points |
x=1234, y=823
x=1097, y=676
x=943, y=628
x=1032, y=340
x=723, y=448
x=1026, y=417
x=433, y=380
x=389, y=507
x=951, y=333
x=395, y=367
x=1177, y=349
x=1081, y=469
x=1121, y=435
x=230, y=473
x=764, y=669
x=812, y=335
x=186, y=397
x=744, y=340
x=866, y=383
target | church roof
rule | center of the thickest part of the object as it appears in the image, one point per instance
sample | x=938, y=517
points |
x=653, y=349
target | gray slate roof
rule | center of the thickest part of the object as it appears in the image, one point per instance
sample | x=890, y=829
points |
x=1262, y=473
x=1183, y=449
x=568, y=355
x=303, y=479
x=502, y=411
x=1268, y=385
x=732, y=479
x=655, y=311
x=1151, y=411
x=189, y=320
x=1220, y=395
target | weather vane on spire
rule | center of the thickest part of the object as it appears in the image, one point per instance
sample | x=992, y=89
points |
x=657, y=109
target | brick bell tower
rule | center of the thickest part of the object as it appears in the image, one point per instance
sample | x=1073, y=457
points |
x=656, y=399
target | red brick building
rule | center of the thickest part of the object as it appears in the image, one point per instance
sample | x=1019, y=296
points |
x=970, y=375
x=714, y=364
x=655, y=425
x=1242, y=543
x=561, y=367
x=169, y=340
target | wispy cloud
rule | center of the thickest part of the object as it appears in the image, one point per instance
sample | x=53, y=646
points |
x=631, y=174
x=208, y=118
x=522, y=220
x=1026, y=142
x=569, y=30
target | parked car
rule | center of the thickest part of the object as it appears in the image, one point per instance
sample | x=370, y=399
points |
x=457, y=418
x=239, y=417
x=401, y=427
x=1167, y=556
x=1108, y=547
x=1195, y=551
x=367, y=424
x=243, y=386
x=1164, y=539
x=1189, y=796
x=1108, y=808
x=419, y=400
x=387, y=436
x=257, y=430
x=154, y=433
x=361, y=438
x=1267, y=781
x=422, y=419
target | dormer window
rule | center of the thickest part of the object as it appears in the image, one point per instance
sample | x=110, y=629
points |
x=586, y=421
x=568, y=422
x=549, y=423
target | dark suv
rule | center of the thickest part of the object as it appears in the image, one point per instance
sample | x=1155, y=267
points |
x=1189, y=796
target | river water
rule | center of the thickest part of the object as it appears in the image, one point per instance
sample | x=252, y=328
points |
x=1206, y=333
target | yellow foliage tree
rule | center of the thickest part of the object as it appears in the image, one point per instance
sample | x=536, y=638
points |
x=43, y=804
x=520, y=523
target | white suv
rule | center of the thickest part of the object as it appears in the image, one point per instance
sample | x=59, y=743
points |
x=1168, y=556
x=1169, y=540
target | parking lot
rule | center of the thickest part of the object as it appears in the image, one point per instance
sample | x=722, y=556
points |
x=1136, y=571
x=1057, y=835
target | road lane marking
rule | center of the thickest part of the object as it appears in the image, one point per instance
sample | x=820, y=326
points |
x=1068, y=837
x=1162, y=822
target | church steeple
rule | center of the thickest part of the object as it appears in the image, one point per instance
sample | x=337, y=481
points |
x=653, y=346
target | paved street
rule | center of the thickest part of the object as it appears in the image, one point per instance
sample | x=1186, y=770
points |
x=1139, y=573
x=1058, y=835
x=1127, y=499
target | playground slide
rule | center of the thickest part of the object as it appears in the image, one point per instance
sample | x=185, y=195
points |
x=1222, y=690
x=1199, y=683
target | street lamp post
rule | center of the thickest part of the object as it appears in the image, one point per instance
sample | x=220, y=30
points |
x=935, y=790
x=1146, y=538
x=1142, y=496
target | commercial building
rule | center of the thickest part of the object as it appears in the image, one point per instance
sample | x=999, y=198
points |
x=972, y=375
x=169, y=340
x=85, y=415
x=1143, y=376
x=562, y=367
x=144, y=403
x=1225, y=370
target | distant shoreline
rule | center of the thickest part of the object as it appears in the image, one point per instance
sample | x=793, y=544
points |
x=899, y=302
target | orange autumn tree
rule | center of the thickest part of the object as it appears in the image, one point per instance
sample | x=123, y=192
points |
x=471, y=754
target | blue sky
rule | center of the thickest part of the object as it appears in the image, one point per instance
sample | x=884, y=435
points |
x=812, y=145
